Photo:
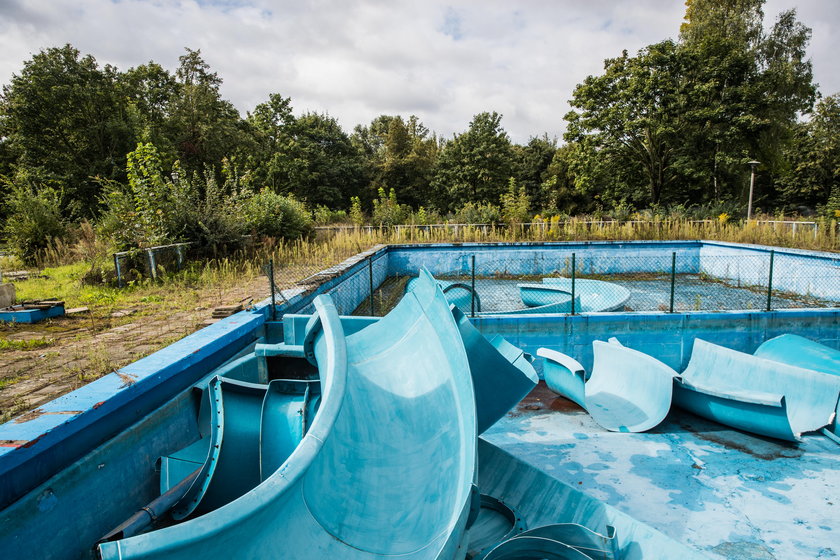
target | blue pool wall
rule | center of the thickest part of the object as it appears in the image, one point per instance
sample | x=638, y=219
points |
x=592, y=257
x=810, y=273
x=666, y=336
x=803, y=272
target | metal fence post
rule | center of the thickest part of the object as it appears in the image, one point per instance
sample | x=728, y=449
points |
x=673, y=278
x=152, y=266
x=118, y=271
x=472, y=287
x=573, y=283
x=770, y=280
x=271, y=285
x=370, y=279
x=179, y=251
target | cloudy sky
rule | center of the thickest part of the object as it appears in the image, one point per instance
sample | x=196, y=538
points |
x=442, y=61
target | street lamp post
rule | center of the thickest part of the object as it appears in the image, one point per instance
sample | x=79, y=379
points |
x=752, y=165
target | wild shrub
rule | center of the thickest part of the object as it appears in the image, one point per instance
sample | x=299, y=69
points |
x=34, y=218
x=270, y=214
x=324, y=216
x=483, y=213
x=515, y=203
x=387, y=211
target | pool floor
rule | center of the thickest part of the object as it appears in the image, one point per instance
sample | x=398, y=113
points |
x=647, y=293
x=727, y=493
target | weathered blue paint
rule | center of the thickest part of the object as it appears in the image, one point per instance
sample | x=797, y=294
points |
x=754, y=394
x=16, y=315
x=668, y=337
x=628, y=391
x=595, y=295
x=542, y=499
x=798, y=271
x=347, y=492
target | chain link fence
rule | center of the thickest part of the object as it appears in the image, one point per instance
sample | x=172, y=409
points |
x=668, y=282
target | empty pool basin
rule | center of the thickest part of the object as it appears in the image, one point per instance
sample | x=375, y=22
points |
x=595, y=295
x=755, y=394
x=628, y=391
x=359, y=484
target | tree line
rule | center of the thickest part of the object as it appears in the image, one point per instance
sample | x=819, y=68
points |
x=152, y=156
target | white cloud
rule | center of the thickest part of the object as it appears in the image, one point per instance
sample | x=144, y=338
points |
x=355, y=60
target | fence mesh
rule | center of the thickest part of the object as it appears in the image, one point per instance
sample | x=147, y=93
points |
x=668, y=282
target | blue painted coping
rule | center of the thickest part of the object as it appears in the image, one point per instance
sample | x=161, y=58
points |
x=33, y=447
x=31, y=315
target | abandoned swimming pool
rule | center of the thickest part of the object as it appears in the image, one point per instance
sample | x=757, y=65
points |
x=722, y=492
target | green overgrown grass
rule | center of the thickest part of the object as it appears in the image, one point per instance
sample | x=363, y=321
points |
x=296, y=260
x=7, y=345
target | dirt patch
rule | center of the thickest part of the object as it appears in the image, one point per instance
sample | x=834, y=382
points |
x=541, y=398
x=752, y=445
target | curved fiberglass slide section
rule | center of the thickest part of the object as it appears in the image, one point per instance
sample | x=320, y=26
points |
x=456, y=293
x=595, y=295
x=628, y=391
x=560, y=541
x=386, y=466
x=801, y=352
x=755, y=394
x=495, y=364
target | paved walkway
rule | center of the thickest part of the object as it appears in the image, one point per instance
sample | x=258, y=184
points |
x=81, y=353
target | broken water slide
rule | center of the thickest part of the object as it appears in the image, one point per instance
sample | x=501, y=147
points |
x=789, y=387
x=591, y=296
x=627, y=391
x=373, y=457
x=760, y=395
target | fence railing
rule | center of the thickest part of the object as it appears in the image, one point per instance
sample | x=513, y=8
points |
x=150, y=258
x=668, y=282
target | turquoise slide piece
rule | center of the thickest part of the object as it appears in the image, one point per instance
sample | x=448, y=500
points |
x=755, y=394
x=494, y=363
x=628, y=391
x=802, y=352
x=595, y=295
x=457, y=293
x=560, y=541
x=385, y=467
x=248, y=430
